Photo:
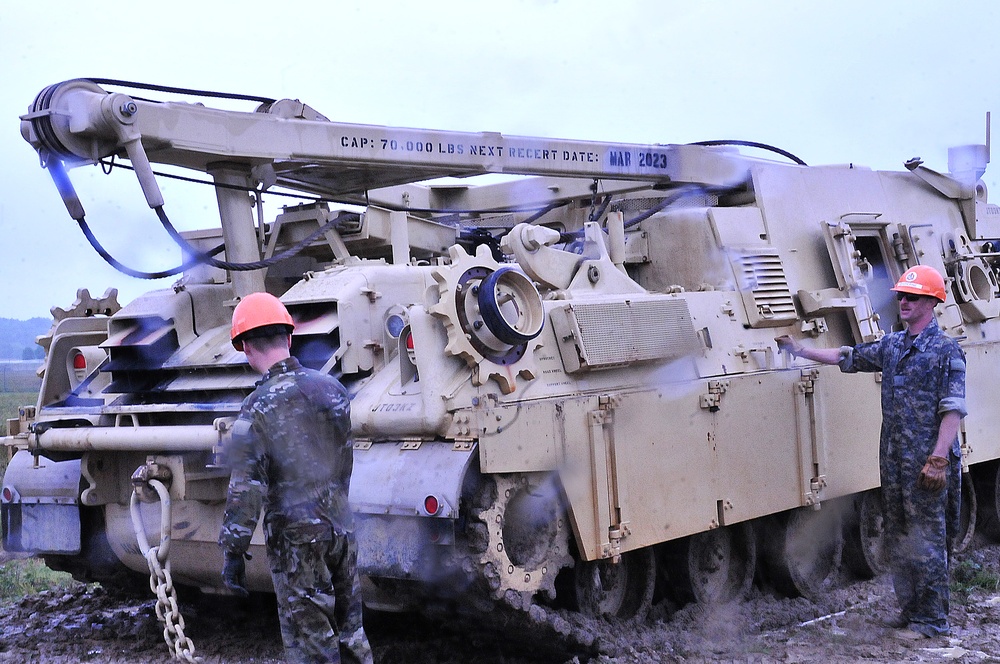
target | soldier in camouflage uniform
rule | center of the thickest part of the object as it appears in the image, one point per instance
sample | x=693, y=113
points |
x=291, y=455
x=923, y=401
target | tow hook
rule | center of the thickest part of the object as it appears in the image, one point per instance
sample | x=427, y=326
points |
x=142, y=476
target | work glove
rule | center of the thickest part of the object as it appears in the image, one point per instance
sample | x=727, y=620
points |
x=234, y=574
x=933, y=476
x=788, y=345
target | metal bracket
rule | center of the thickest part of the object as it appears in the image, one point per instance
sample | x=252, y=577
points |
x=713, y=400
x=746, y=352
x=601, y=417
x=816, y=486
x=814, y=327
x=807, y=382
x=615, y=536
x=608, y=401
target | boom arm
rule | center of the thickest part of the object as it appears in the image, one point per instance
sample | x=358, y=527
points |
x=290, y=144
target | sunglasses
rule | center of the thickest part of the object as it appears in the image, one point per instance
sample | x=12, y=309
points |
x=909, y=297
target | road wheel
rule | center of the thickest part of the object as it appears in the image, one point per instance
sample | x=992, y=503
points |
x=620, y=590
x=802, y=550
x=864, y=536
x=715, y=566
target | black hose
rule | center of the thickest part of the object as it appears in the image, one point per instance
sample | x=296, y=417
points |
x=255, y=265
x=140, y=274
x=666, y=202
x=185, y=91
x=199, y=257
x=753, y=144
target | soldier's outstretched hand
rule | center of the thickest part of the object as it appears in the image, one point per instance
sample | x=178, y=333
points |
x=788, y=345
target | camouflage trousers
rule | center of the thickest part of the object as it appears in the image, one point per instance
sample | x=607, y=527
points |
x=919, y=533
x=316, y=582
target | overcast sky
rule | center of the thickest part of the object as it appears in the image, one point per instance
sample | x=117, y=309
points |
x=865, y=81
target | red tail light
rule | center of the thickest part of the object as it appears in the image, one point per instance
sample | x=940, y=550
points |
x=408, y=342
x=79, y=366
x=431, y=505
x=8, y=495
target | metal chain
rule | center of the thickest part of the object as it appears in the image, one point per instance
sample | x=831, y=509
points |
x=160, y=581
x=593, y=200
x=167, y=612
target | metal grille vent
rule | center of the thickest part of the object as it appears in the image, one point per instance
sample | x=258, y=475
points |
x=606, y=334
x=641, y=204
x=764, y=288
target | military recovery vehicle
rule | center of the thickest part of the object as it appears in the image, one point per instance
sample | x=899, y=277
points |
x=565, y=385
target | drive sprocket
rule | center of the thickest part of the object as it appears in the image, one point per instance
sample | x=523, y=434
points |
x=527, y=537
x=492, y=339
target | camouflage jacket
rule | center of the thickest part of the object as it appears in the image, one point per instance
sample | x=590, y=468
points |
x=290, y=454
x=923, y=377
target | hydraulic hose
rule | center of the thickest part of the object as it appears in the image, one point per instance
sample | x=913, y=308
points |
x=753, y=144
x=199, y=257
x=140, y=274
x=255, y=265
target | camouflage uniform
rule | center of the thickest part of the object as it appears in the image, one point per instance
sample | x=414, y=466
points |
x=292, y=455
x=923, y=377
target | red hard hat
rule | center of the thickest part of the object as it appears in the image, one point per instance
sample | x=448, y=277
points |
x=921, y=280
x=256, y=311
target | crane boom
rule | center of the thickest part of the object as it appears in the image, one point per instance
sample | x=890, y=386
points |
x=288, y=143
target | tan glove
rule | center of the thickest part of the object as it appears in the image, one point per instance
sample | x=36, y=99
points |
x=933, y=476
x=788, y=345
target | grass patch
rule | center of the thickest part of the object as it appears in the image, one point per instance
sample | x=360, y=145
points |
x=26, y=576
x=968, y=576
x=10, y=402
x=20, y=377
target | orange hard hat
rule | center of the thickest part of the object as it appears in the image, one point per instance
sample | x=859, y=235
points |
x=921, y=280
x=259, y=315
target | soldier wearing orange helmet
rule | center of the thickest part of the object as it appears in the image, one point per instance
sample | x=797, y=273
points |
x=923, y=402
x=922, y=280
x=259, y=315
x=292, y=455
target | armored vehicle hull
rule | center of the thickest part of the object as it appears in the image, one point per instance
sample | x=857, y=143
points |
x=565, y=386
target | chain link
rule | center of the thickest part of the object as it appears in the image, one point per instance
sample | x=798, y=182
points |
x=162, y=585
x=160, y=581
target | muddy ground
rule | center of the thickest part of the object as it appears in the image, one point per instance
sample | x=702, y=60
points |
x=86, y=624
